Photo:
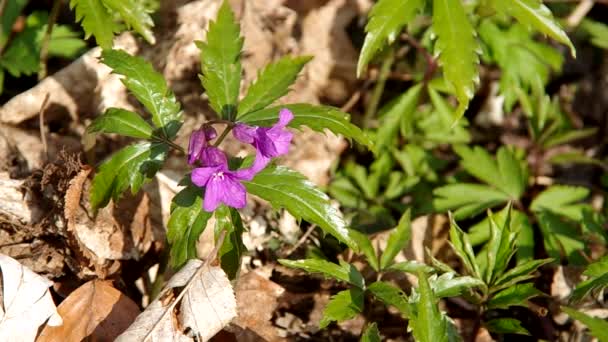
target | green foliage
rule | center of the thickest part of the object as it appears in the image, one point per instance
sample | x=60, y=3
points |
x=428, y=324
x=317, y=118
x=596, y=282
x=273, y=83
x=97, y=17
x=597, y=31
x=344, y=272
x=386, y=19
x=401, y=109
x=457, y=49
x=598, y=327
x=398, y=239
x=506, y=326
x=288, y=189
x=390, y=295
x=231, y=251
x=371, y=334
x=221, y=64
x=344, y=305
x=123, y=122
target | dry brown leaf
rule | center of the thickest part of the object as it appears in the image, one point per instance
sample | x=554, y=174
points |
x=208, y=305
x=26, y=302
x=96, y=310
x=256, y=298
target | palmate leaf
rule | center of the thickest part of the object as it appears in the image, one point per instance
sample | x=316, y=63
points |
x=386, y=19
x=123, y=122
x=598, y=327
x=129, y=167
x=457, y=49
x=317, y=118
x=149, y=87
x=532, y=13
x=186, y=223
x=96, y=20
x=344, y=305
x=344, y=272
x=272, y=83
x=221, y=63
x=427, y=322
x=519, y=273
x=468, y=199
x=135, y=15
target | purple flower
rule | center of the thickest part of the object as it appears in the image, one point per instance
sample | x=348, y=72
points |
x=269, y=142
x=199, y=149
x=222, y=185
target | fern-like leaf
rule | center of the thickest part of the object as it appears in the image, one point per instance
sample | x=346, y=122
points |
x=96, y=20
x=135, y=16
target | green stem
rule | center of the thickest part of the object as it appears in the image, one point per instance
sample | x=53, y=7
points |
x=44, y=48
x=223, y=135
x=385, y=69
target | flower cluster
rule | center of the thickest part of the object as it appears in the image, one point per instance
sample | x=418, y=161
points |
x=223, y=185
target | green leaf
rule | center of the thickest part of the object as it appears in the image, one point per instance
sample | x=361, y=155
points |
x=598, y=32
x=289, y=189
x=506, y=326
x=532, y=13
x=365, y=246
x=10, y=13
x=462, y=246
x=386, y=19
x=344, y=305
x=344, y=272
x=231, y=251
x=390, y=295
x=65, y=42
x=187, y=222
x=317, y=118
x=560, y=200
x=129, y=167
x=427, y=322
x=411, y=266
x=221, y=62
x=123, y=122
x=397, y=240
x=500, y=248
x=149, y=87
x=598, y=280
x=447, y=285
x=457, y=49
x=598, y=327
x=519, y=273
x=561, y=238
x=96, y=20
x=371, y=334
x=273, y=83
x=22, y=55
x=403, y=106
x=516, y=295
x=135, y=15
x=468, y=199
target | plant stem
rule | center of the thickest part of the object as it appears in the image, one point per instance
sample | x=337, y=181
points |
x=44, y=47
x=385, y=70
x=224, y=134
x=430, y=61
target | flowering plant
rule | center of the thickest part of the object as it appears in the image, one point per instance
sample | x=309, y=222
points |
x=218, y=184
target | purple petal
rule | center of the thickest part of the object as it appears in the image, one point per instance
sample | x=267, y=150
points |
x=259, y=164
x=213, y=194
x=264, y=143
x=213, y=156
x=233, y=193
x=195, y=146
x=285, y=117
x=210, y=132
x=200, y=176
x=281, y=140
x=244, y=133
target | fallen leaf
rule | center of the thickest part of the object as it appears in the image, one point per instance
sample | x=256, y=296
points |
x=96, y=310
x=206, y=305
x=26, y=302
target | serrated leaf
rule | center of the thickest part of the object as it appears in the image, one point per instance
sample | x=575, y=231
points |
x=462, y=246
x=403, y=106
x=513, y=176
x=344, y=272
x=371, y=334
x=468, y=199
x=317, y=118
x=427, y=323
x=447, y=285
x=272, y=83
x=65, y=42
x=457, y=49
x=598, y=327
x=519, y=273
x=365, y=246
x=516, y=295
x=390, y=295
x=22, y=55
x=289, y=189
x=135, y=15
x=221, y=62
x=533, y=13
x=149, y=87
x=96, y=20
x=123, y=122
x=561, y=238
x=386, y=19
x=187, y=222
x=598, y=280
x=344, y=305
x=231, y=251
x=506, y=326
x=397, y=240
x=129, y=167
x=410, y=266
x=500, y=248
x=560, y=200
x=10, y=13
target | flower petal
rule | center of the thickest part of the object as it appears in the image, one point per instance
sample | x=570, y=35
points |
x=244, y=133
x=210, y=132
x=259, y=164
x=280, y=140
x=213, y=156
x=285, y=117
x=213, y=194
x=195, y=146
x=200, y=176
x=233, y=192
